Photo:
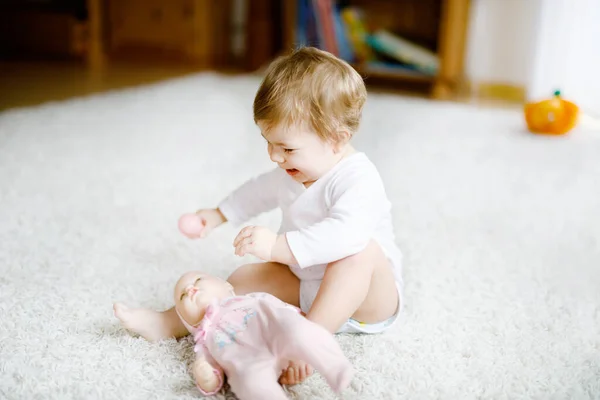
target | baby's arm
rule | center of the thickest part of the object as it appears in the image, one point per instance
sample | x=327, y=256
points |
x=209, y=379
x=357, y=205
x=254, y=197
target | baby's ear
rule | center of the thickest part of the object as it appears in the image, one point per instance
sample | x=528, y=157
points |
x=342, y=137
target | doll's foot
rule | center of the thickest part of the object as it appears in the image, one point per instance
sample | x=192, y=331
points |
x=296, y=373
x=149, y=324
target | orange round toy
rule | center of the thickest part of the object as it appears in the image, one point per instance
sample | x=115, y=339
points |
x=554, y=116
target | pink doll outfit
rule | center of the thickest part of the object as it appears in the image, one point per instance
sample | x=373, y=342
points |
x=252, y=338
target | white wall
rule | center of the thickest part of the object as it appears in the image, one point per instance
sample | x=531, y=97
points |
x=541, y=45
x=501, y=40
x=568, y=53
x=583, y=70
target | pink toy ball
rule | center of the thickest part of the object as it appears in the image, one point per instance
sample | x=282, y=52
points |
x=191, y=225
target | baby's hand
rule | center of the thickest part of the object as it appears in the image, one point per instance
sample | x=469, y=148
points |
x=256, y=240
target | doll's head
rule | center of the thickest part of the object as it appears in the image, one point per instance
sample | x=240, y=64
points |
x=194, y=291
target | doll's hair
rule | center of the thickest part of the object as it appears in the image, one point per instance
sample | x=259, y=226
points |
x=311, y=87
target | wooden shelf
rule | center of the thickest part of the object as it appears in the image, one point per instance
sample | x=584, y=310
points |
x=440, y=25
x=369, y=71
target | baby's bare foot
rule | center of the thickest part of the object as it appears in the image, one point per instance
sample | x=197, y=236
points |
x=296, y=373
x=149, y=324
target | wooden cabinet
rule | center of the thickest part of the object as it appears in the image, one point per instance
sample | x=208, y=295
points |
x=152, y=23
x=194, y=30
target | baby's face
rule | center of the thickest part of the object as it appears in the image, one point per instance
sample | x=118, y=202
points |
x=299, y=151
x=194, y=292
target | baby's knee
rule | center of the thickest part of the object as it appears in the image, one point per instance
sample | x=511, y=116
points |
x=373, y=250
x=367, y=258
x=241, y=277
x=241, y=272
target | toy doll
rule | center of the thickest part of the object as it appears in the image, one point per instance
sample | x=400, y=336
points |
x=249, y=339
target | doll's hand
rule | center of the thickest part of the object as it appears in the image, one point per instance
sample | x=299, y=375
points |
x=207, y=378
x=256, y=240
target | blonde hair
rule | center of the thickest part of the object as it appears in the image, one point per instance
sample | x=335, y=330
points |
x=313, y=87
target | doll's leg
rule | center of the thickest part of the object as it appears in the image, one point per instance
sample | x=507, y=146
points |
x=151, y=325
x=278, y=280
x=256, y=384
x=297, y=338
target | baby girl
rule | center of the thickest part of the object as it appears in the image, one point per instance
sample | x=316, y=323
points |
x=335, y=255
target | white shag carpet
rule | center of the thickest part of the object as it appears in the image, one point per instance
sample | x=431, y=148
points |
x=500, y=231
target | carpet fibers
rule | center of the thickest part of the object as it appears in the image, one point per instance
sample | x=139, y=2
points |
x=500, y=230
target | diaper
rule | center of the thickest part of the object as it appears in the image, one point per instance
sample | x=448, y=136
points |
x=308, y=293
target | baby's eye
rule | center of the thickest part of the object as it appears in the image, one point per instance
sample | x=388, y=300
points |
x=182, y=296
x=288, y=150
x=197, y=280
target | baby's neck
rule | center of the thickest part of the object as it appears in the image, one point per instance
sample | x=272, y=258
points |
x=347, y=151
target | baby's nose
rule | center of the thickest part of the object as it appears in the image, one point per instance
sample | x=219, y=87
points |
x=191, y=290
x=276, y=158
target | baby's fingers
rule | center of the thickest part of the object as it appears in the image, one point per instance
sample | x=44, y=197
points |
x=244, y=233
x=244, y=246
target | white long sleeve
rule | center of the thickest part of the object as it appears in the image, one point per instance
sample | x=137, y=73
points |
x=357, y=203
x=254, y=197
x=334, y=218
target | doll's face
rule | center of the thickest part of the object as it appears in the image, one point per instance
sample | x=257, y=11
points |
x=193, y=293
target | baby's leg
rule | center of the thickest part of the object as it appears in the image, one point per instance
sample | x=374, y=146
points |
x=361, y=286
x=256, y=384
x=273, y=278
x=151, y=325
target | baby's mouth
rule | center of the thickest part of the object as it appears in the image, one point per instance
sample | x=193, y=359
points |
x=292, y=171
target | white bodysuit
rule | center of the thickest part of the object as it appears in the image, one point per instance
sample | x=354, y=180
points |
x=332, y=219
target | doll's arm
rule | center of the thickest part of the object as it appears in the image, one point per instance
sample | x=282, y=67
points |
x=209, y=378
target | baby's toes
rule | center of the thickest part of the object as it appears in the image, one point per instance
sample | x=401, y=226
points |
x=294, y=375
x=286, y=376
x=308, y=370
x=304, y=371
